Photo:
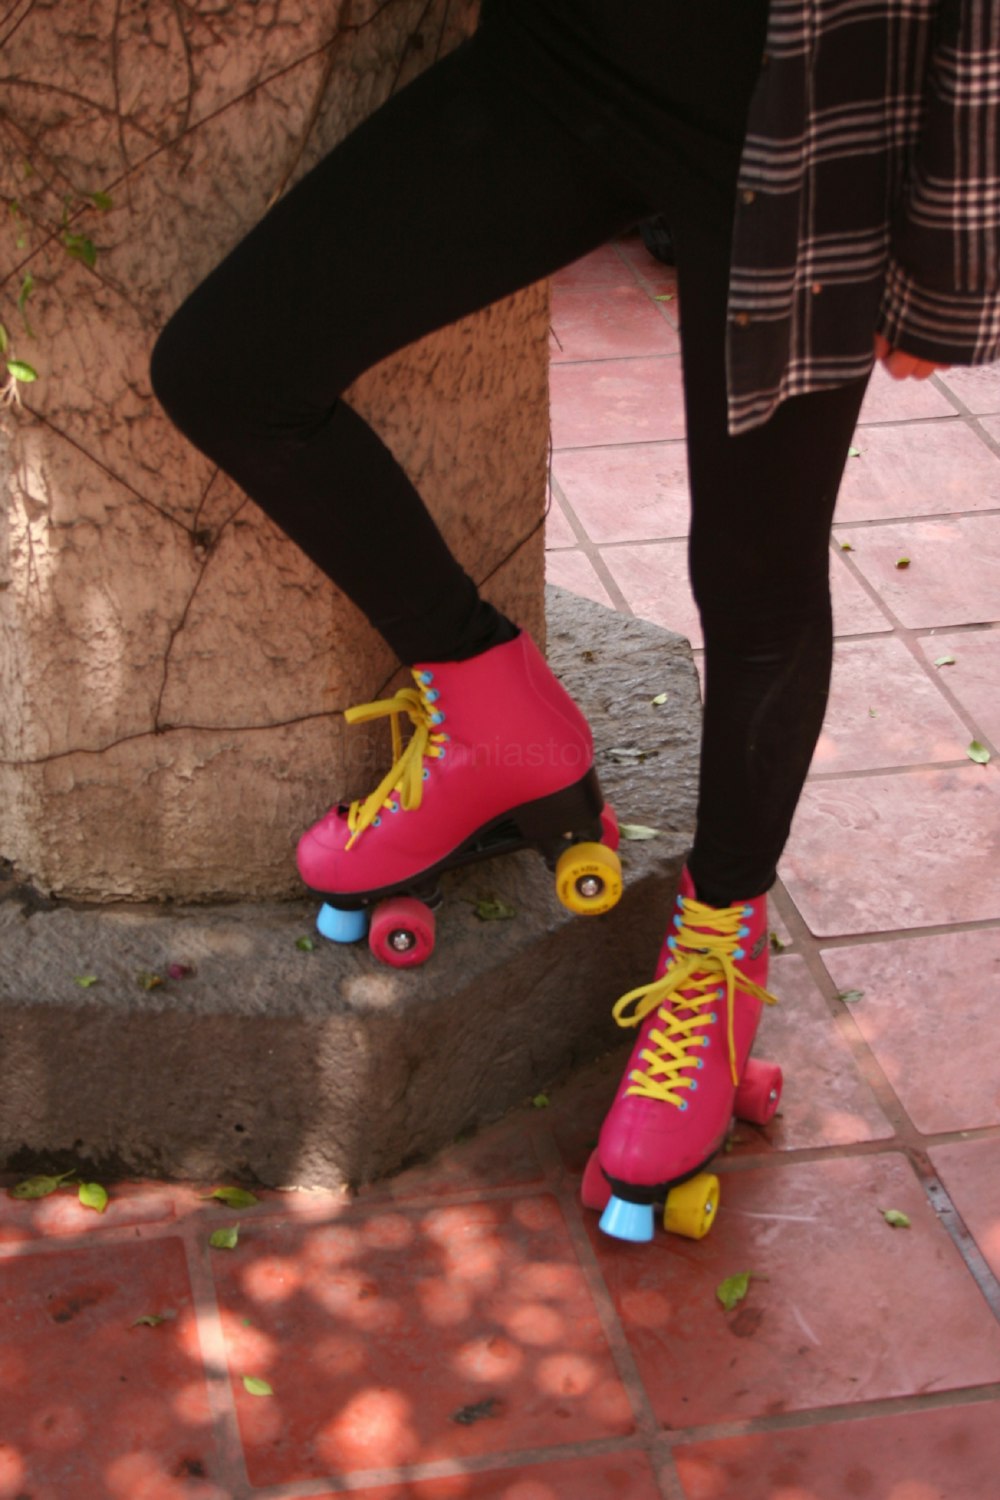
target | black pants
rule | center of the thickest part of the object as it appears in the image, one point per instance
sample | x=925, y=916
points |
x=503, y=163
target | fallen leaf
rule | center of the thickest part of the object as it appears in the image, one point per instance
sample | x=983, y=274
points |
x=777, y=946
x=225, y=1239
x=466, y=1415
x=895, y=1218
x=944, y=661
x=637, y=831
x=664, y=297
x=38, y=1187
x=150, y=1320
x=978, y=753
x=86, y=980
x=148, y=980
x=902, y=562
x=733, y=1289
x=541, y=1101
x=234, y=1197
x=254, y=1386
x=305, y=944
x=659, y=700
x=92, y=1195
x=855, y=452
x=489, y=909
x=850, y=996
x=847, y=546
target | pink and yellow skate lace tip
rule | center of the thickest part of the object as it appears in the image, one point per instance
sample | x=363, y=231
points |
x=405, y=779
x=683, y=997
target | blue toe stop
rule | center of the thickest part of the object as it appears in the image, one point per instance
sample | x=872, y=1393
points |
x=628, y=1221
x=341, y=926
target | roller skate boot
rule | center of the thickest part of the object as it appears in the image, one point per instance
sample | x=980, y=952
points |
x=689, y=1073
x=498, y=758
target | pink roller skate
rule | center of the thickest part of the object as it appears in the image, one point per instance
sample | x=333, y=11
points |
x=499, y=758
x=689, y=1073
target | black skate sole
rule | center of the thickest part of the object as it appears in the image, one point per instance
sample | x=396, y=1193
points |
x=549, y=824
x=656, y=1194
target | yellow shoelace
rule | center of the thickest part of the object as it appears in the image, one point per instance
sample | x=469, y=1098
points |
x=407, y=774
x=684, y=997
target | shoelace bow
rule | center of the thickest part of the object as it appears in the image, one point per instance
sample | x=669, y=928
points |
x=684, y=996
x=406, y=775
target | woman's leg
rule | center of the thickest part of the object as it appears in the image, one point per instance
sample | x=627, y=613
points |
x=762, y=505
x=457, y=192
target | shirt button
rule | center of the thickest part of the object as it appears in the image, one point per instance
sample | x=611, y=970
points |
x=816, y=288
x=742, y=318
x=747, y=195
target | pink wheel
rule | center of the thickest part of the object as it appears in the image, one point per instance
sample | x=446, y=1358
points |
x=595, y=1190
x=610, y=836
x=759, y=1093
x=402, y=932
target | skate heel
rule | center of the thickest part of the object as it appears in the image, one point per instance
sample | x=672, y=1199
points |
x=573, y=813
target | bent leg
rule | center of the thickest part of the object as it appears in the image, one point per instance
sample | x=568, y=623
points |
x=456, y=193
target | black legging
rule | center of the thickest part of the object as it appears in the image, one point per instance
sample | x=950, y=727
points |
x=480, y=178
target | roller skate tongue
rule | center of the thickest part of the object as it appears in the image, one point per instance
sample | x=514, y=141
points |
x=403, y=785
x=701, y=970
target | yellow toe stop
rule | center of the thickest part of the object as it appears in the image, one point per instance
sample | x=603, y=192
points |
x=691, y=1206
x=589, y=879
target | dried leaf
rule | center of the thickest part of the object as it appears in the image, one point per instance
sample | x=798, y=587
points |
x=944, y=661
x=850, y=996
x=637, y=831
x=150, y=1320
x=147, y=980
x=466, y=1415
x=777, y=946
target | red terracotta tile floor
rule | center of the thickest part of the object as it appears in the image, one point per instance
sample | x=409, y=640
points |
x=464, y=1332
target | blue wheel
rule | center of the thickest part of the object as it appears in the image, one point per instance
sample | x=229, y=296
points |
x=628, y=1221
x=341, y=926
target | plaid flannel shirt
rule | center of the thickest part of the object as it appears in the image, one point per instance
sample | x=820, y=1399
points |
x=869, y=196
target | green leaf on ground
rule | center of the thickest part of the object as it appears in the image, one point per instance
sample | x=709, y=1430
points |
x=978, y=753
x=147, y=980
x=81, y=248
x=86, y=981
x=664, y=296
x=541, y=1101
x=27, y=287
x=4, y=340
x=659, y=700
x=305, y=944
x=20, y=371
x=490, y=909
x=902, y=562
x=225, y=1239
x=254, y=1386
x=38, y=1187
x=855, y=452
x=944, y=661
x=777, y=946
x=92, y=1195
x=847, y=546
x=149, y=1320
x=637, y=831
x=101, y=201
x=850, y=996
x=895, y=1218
x=234, y=1197
x=733, y=1289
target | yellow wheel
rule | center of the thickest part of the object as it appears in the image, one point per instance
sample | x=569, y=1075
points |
x=691, y=1206
x=589, y=879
